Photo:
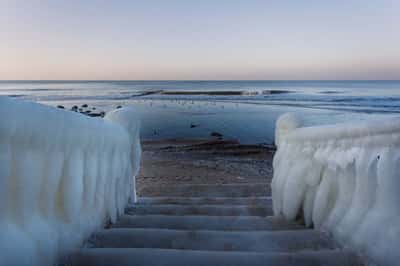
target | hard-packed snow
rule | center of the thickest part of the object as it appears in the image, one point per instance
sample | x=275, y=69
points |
x=62, y=175
x=344, y=179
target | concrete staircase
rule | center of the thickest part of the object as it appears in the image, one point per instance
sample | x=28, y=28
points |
x=221, y=225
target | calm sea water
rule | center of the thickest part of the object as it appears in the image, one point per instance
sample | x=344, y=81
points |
x=249, y=117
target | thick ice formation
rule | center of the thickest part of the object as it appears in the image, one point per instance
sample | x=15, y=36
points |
x=62, y=175
x=344, y=179
x=128, y=118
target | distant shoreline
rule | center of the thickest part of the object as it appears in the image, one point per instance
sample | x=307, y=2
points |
x=222, y=92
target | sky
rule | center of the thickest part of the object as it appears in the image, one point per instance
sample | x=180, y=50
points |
x=192, y=39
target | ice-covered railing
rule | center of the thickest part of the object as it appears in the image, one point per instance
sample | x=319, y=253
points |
x=62, y=175
x=344, y=179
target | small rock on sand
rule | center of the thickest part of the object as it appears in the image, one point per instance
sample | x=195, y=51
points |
x=94, y=114
x=216, y=134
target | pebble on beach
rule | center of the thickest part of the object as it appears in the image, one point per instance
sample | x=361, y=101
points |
x=216, y=134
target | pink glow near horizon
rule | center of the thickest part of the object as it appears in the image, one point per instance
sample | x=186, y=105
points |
x=200, y=39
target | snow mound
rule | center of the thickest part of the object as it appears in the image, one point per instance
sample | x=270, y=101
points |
x=344, y=179
x=62, y=176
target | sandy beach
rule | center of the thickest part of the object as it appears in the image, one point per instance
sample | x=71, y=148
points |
x=201, y=161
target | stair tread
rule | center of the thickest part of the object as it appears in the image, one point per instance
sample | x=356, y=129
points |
x=257, y=241
x=226, y=210
x=145, y=257
x=207, y=190
x=192, y=222
x=204, y=200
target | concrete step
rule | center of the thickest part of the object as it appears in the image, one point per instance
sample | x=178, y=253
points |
x=215, y=210
x=203, y=190
x=199, y=222
x=205, y=200
x=258, y=241
x=162, y=257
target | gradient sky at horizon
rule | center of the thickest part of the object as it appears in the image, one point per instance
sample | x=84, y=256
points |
x=188, y=39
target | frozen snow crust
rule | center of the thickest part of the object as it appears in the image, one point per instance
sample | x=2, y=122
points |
x=62, y=175
x=344, y=179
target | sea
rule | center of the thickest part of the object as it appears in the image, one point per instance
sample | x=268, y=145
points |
x=245, y=110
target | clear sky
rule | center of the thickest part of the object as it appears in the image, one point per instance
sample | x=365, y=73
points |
x=200, y=39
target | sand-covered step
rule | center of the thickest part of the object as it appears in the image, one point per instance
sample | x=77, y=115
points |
x=214, y=210
x=227, y=223
x=205, y=200
x=158, y=257
x=205, y=190
x=257, y=241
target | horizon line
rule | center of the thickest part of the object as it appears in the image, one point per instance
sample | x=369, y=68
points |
x=127, y=80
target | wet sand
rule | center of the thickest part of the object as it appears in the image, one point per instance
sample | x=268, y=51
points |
x=202, y=161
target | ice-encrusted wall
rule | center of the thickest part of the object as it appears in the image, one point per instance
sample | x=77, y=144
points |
x=62, y=175
x=344, y=179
